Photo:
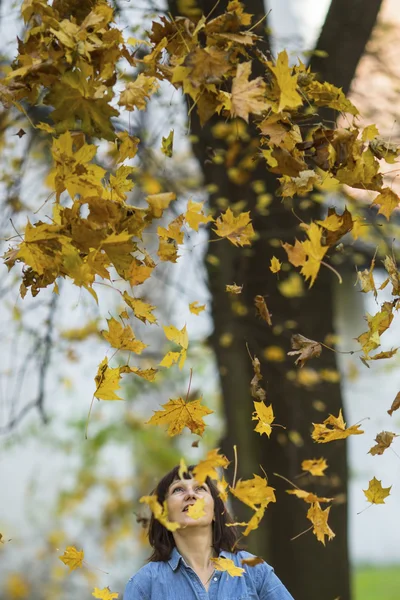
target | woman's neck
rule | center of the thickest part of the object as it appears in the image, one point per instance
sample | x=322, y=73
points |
x=195, y=547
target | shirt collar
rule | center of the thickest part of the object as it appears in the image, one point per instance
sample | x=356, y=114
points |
x=176, y=557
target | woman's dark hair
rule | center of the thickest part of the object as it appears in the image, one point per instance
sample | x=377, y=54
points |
x=162, y=541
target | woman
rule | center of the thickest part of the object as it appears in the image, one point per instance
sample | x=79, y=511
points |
x=181, y=568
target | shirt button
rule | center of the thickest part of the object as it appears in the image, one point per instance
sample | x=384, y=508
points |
x=215, y=578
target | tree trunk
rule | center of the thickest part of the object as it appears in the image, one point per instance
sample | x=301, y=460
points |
x=310, y=571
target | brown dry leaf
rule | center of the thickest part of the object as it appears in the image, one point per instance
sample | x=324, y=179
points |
x=395, y=404
x=333, y=428
x=256, y=391
x=336, y=226
x=383, y=441
x=262, y=309
x=305, y=348
x=319, y=519
x=366, y=279
x=394, y=276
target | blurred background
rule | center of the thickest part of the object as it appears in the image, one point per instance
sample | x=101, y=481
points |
x=58, y=488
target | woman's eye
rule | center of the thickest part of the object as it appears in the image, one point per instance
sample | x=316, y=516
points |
x=202, y=487
x=176, y=489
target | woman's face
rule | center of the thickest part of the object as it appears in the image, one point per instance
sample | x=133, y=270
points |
x=184, y=492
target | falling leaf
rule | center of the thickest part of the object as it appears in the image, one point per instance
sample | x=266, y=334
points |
x=234, y=289
x=196, y=510
x=336, y=226
x=287, y=83
x=275, y=265
x=167, y=144
x=142, y=310
x=388, y=201
x=252, y=562
x=104, y=594
x=137, y=93
x=159, y=512
x=107, y=382
x=333, y=428
x=72, y=557
x=148, y=374
x=383, y=441
x=254, y=492
x=179, y=337
x=222, y=486
x=122, y=337
x=319, y=519
x=315, y=466
x=265, y=416
x=262, y=309
x=178, y=414
x=375, y=493
x=196, y=308
x=256, y=390
x=395, y=404
x=238, y=230
x=366, y=279
x=227, y=565
x=377, y=325
x=194, y=215
x=20, y=133
x=308, y=497
x=305, y=348
x=247, y=96
x=208, y=466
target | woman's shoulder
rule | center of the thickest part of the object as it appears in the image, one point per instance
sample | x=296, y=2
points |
x=256, y=568
x=139, y=585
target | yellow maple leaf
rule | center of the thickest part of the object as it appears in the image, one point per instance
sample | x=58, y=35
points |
x=333, y=428
x=122, y=337
x=196, y=510
x=375, y=493
x=377, y=324
x=159, y=202
x=315, y=252
x=127, y=146
x=227, y=565
x=72, y=557
x=178, y=414
x=238, y=230
x=315, y=466
x=247, y=96
x=319, y=519
x=326, y=94
x=196, y=308
x=296, y=254
x=275, y=265
x=107, y=382
x=289, y=97
x=179, y=337
x=174, y=230
x=234, y=289
x=194, y=215
x=307, y=496
x=137, y=93
x=383, y=442
x=222, y=486
x=167, y=144
x=264, y=415
x=254, y=492
x=141, y=309
x=148, y=374
x=104, y=594
x=159, y=511
x=208, y=466
x=388, y=201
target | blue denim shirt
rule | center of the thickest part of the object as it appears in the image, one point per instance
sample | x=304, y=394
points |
x=175, y=580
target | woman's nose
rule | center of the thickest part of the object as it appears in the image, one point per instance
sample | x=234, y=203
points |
x=190, y=494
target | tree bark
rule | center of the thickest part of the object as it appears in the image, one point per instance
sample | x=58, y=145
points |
x=309, y=571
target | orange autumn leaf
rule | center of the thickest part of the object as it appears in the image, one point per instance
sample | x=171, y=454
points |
x=395, y=404
x=178, y=414
x=333, y=428
x=238, y=230
x=319, y=519
x=72, y=557
x=262, y=309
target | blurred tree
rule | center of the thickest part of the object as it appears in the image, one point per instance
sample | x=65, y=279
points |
x=236, y=177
